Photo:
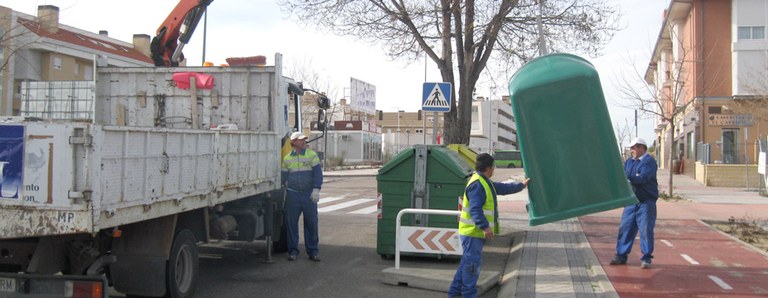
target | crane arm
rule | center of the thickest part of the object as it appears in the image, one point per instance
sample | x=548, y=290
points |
x=176, y=31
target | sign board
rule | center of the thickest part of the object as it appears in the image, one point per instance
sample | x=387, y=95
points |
x=11, y=161
x=362, y=96
x=731, y=120
x=430, y=240
x=436, y=97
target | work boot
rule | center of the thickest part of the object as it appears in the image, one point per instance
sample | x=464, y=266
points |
x=618, y=261
x=645, y=265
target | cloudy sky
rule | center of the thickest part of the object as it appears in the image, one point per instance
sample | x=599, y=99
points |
x=258, y=27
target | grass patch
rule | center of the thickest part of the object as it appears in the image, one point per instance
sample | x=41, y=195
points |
x=747, y=229
x=669, y=198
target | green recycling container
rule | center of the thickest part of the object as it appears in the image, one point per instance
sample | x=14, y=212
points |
x=566, y=140
x=423, y=177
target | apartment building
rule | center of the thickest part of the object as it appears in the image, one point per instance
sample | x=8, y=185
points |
x=709, y=68
x=493, y=125
x=39, y=48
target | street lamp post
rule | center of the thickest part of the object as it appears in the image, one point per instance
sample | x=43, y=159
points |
x=398, y=130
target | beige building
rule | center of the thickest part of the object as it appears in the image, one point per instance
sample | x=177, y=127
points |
x=709, y=66
x=39, y=48
x=401, y=129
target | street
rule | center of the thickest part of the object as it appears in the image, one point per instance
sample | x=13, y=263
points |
x=350, y=266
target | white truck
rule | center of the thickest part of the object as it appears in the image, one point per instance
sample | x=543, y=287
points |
x=121, y=178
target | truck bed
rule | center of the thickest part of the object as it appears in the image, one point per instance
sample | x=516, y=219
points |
x=147, y=151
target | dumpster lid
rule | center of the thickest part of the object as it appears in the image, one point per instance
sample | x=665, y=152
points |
x=450, y=159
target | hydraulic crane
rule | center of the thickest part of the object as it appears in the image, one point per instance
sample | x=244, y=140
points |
x=176, y=31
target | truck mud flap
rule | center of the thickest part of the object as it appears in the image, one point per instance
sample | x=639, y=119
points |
x=142, y=252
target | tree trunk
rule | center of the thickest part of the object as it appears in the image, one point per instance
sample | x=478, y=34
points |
x=671, y=156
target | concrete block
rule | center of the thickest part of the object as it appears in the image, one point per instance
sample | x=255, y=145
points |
x=434, y=279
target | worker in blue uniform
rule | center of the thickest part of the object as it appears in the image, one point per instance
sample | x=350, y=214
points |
x=640, y=217
x=479, y=221
x=302, y=176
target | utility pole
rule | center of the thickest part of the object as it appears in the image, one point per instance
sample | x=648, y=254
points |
x=542, y=41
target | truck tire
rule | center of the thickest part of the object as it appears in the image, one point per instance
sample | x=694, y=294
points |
x=182, y=269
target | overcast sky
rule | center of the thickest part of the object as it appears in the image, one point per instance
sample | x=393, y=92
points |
x=257, y=27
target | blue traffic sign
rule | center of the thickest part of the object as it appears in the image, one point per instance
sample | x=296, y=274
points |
x=436, y=97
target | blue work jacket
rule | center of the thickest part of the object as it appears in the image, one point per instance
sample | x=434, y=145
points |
x=641, y=174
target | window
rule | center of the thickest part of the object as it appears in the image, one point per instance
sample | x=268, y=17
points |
x=57, y=63
x=730, y=145
x=88, y=72
x=691, y=145
x=751, y=32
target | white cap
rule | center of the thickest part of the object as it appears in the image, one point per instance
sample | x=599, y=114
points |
x=298, y=135
x=637, y=141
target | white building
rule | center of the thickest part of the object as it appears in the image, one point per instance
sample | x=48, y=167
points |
x=493, y=125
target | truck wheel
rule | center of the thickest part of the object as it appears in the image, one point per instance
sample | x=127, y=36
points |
x=182, y=266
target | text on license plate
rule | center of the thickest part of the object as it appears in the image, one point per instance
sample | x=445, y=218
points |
x=7, y=284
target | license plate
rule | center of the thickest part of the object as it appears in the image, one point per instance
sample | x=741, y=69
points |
x=7, y=284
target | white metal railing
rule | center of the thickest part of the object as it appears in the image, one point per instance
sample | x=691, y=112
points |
x=58, y=100
x=412, y=211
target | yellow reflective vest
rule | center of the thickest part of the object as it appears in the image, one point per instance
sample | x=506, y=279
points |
x=466, y=224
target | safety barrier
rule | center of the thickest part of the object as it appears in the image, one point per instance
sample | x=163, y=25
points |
x=448, y=242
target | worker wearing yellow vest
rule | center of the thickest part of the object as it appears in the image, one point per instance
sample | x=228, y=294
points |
x=479, y=221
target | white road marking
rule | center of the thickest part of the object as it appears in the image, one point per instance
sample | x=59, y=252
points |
x=689, y=259
x=366, y=210
x=720, y=282
x=343, y=205
x=667, y=243
x=331, y=199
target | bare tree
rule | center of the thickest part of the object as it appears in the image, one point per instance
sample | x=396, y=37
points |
x=461, y=36
x=303, y=70
x=623, y=133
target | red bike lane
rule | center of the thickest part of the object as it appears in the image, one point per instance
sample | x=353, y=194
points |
x=690, y=260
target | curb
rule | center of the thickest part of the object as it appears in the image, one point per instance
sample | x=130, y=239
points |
x=594, y=268
x=510, y=276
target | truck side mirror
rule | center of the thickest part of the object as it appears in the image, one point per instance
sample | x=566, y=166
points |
x=323, y=102
x=321, y=120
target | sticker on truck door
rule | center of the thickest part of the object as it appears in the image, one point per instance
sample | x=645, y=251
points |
x=11, y=160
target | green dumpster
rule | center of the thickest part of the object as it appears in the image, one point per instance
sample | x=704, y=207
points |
x=566, y=139
x=423, y=177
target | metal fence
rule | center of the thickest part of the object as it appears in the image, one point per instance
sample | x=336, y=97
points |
x=58, y=100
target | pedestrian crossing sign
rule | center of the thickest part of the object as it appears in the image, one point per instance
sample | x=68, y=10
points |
x=436, y=97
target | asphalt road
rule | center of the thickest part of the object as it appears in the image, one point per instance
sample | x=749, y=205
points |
x=350, y=266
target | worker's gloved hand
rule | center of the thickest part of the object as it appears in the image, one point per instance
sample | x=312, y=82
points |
x=315, y=195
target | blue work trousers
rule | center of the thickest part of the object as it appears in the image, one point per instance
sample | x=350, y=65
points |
x=640, y=217
x=298, y=203
x=465, y=281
